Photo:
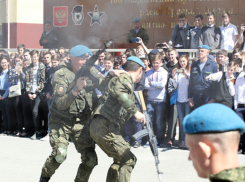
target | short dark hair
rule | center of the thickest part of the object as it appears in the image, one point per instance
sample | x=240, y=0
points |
x=21, y=46
x=226, y=14
x=130, y=52
x=2, y=51
x=237, y=50
x=237, y=61
x=47, y=53
x=131, y=66
x=33, y=52
x=117, y=60
x=182, y=15
x=211, y=14
x=222, y=52
x=199, y=16
x=52, y=49
x=26, y=50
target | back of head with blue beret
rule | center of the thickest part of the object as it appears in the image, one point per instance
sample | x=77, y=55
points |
x=213, y=118
x=136, y=60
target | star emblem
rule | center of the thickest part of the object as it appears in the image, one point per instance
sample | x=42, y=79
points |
x=96, y=16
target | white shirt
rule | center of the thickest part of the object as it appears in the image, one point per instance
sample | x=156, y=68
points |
x=228, y=36
x=182, y=87
x=240, y=92
x=34, y=84
x=217, y=77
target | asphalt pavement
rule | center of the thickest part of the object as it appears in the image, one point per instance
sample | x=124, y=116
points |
x=21, y=160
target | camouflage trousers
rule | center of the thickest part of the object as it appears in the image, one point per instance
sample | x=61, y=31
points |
x=60, y=131
x=107, y=135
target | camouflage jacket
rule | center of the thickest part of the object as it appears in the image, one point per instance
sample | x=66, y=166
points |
x=52, y=40
x=65, y=103
x=120, y=105
x=142, y=33
x=40, y=78
x=229, y=175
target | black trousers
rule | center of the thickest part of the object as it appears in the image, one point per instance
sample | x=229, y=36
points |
x=35, y=116
x=43, y=113
x=27, y=113
x=6, y=106
x=17, y=101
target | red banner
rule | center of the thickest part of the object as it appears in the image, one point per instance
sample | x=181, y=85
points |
x=60, y=16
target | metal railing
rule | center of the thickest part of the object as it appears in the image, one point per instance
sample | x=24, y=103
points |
x=192, y=52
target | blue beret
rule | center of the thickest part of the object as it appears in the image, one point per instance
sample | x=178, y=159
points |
x=213, y=118
x=47, y=22
x=136, y=20
x=137, y=60
x=203, y=47
x=80, y=51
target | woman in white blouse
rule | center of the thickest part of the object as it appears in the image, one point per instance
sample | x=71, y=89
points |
x=181, y=76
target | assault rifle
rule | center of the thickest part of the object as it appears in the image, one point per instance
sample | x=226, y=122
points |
x=84, y=71
x=147, y=131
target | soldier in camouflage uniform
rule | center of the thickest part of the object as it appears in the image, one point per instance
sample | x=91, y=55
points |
x=118, y=108
x=138, y=31
x=70, y=114
x=49, y=38
x=212, y=134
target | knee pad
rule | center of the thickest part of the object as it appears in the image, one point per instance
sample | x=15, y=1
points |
x=61, y=153
x=129, y=159
x=91, y=160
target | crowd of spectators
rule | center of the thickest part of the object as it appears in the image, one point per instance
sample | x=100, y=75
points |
x=172, y=84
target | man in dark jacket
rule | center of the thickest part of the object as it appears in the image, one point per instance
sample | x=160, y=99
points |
x=180, y=36
x=49, y=38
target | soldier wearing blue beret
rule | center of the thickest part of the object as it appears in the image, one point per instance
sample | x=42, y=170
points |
x=200, y=91
x=138, y=31
x=212, y=134
x=118, y=108
x=70, y=114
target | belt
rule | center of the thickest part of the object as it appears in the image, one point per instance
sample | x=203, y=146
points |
x=241, y=105
x=63, y=116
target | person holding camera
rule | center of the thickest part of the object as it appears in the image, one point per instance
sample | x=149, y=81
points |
x=181, y=76
x=138, y=31
x=241, y=37
x=17, y=77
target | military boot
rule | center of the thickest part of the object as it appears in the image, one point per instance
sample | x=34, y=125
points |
x=42, y=179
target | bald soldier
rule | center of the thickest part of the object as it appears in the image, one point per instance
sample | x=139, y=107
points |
x=212, y=134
